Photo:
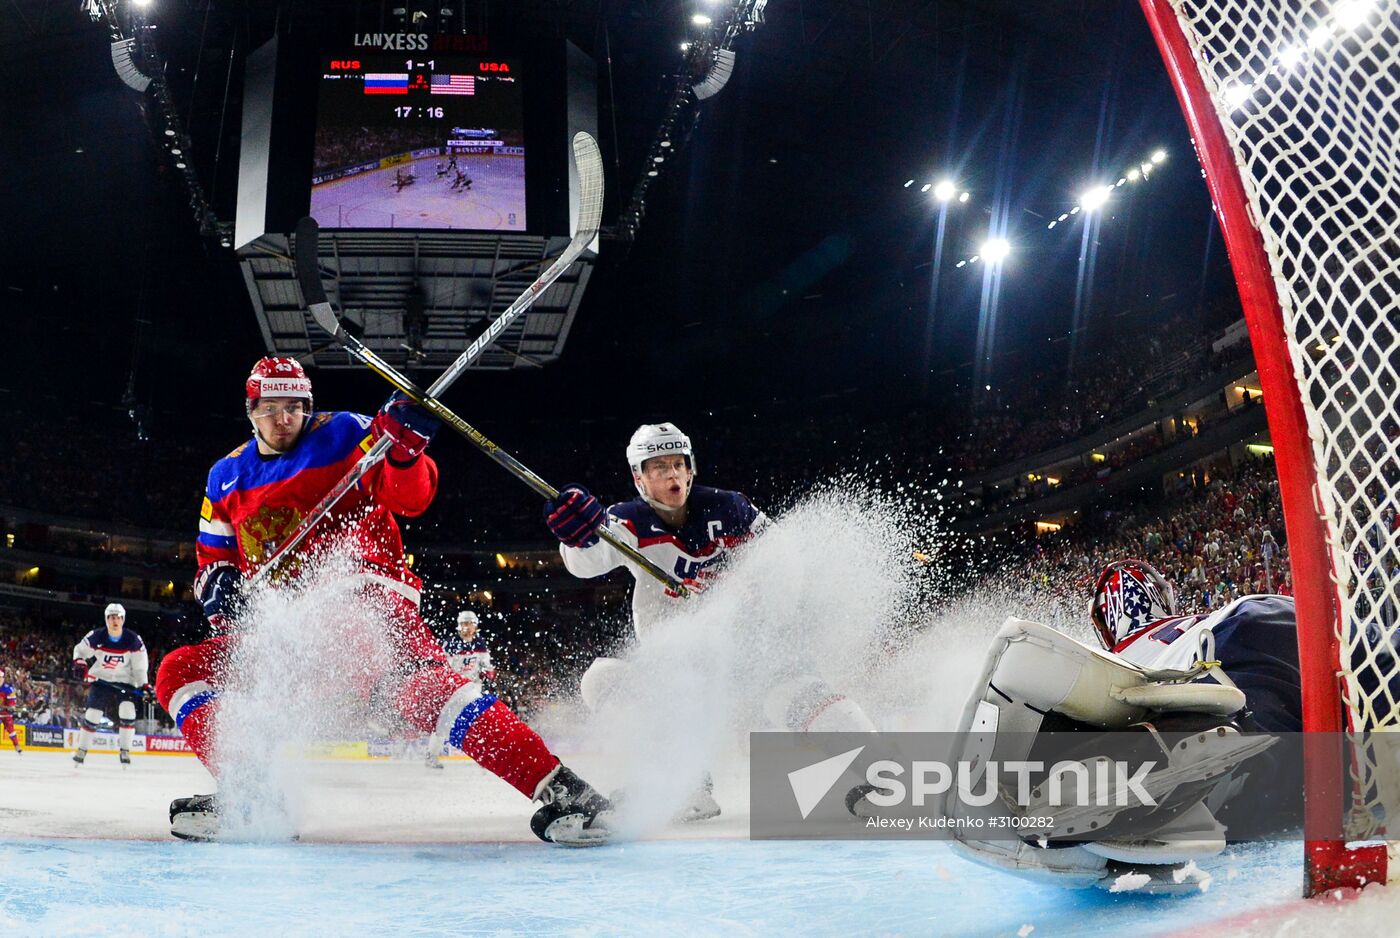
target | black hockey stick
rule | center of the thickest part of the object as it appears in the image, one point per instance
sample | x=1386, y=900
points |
x=588, y=163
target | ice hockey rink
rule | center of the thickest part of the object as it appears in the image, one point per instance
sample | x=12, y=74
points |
x=412, y=851
x=495, y=200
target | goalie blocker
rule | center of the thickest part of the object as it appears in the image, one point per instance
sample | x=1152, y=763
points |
x=1045, y=697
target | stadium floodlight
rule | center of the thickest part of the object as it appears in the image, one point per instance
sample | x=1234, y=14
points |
x=141, y=3
x=1352, y=14
x=965, y=196
x=1236, y=95
x=685, y=47
x=665, y=144
x=925, y=187
x=909, y=183
x=700, y=19
x=995, y=250
x=1319, y=36
x=1134, y=174
x=1159, y=156
x=945, y=191
x=1095, y=198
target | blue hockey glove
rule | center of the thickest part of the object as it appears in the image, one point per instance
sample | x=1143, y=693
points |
x=574, y=516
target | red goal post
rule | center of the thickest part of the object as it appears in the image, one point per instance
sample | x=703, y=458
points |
x=1294, y=109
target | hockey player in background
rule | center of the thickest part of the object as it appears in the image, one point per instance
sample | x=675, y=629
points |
x=113, y=661
x=688, y=530
x=467, y=654
x=1231, y=671
x=255, y=497
x=9, y=706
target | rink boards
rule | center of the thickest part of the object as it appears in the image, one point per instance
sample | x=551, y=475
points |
x=64, y=739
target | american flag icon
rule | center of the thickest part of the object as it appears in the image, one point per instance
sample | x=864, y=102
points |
x=452, y=84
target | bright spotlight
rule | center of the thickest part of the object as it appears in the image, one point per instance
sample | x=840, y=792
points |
x=996, y=250
x=945, y=191
x=1134, y=174
x=1095, y=198
x=700, y=19
x=141, y=3
x=1353, y=14
x=908, y=183
x=1159, y=156
x=1319, y=36
x=1236, y=95
x=685, y=47
x=1290, y=56
x=965, y=196
x=925, y=187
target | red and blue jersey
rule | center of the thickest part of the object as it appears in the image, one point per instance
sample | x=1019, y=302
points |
x=9, y=700
x=253, y=501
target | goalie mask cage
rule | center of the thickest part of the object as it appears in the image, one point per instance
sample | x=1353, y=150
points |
x=1294, y=108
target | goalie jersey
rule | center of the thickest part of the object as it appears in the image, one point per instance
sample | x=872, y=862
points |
x=716, y=522
x=1256, y=643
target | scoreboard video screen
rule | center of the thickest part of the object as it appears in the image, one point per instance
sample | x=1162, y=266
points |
x=420, y=140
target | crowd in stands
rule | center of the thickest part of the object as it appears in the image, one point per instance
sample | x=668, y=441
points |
x=343, y=147
x=1215, y=542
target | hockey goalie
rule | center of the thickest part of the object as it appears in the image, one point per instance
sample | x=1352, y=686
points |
x=1197, y=696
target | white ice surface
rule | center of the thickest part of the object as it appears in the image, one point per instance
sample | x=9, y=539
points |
x=402, y=849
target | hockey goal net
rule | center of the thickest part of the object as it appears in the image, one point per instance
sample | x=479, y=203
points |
x=1294, y=107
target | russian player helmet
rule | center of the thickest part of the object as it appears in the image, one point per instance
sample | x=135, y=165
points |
x=657, y=439
x=277, y=377
x=1128, y=595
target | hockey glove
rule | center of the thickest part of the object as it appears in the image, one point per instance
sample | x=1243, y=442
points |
x=574, y=516
x=221, y=595
x=148, y=694
x=409, y=425
x=80, y=668
x=692, y=586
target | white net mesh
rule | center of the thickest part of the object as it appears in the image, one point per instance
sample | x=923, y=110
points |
x=1308, y=94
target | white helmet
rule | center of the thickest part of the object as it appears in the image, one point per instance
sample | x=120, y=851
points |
x=465, y=616
x=657, y=439
x=114, y=609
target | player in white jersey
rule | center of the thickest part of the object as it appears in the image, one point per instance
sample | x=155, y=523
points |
x=688, y=530
x=468, y=655
x=113, y=661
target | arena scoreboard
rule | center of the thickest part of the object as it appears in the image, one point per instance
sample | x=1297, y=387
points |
x=375, y=131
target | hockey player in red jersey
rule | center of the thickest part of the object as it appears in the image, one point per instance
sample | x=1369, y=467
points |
x=254, y=498
x=9, y=703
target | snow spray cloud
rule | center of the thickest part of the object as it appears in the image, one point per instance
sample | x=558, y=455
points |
x=299, y=674
x=829, y=592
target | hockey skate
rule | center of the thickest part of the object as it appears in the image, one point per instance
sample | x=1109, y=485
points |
x=125, y=756
x=432, y=761
x=79, y=756
x=200, y=818
x=572, y=813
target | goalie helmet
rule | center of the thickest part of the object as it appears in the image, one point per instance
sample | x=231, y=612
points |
x=277, y=377
x=1128, y=595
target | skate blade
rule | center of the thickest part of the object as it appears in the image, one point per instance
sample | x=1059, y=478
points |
x=568, y=831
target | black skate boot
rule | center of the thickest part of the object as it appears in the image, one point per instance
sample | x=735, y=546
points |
x=79, y=756
x=125, y=757
x=195, y=818
x=572, y=813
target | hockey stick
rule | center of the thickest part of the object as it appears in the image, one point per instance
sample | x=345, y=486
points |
x=588, y=163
